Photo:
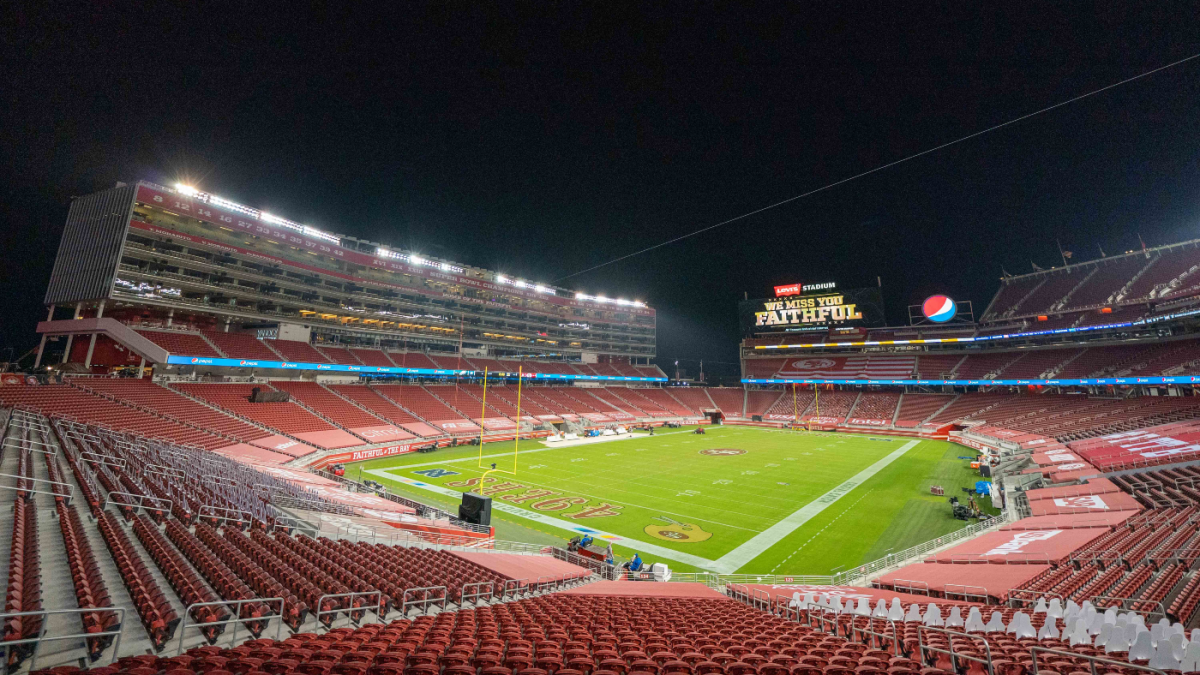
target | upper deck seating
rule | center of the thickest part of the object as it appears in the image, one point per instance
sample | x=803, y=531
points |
x=241, y=346
x=339, y=355
x=177, y=342
x=372, y=357
x=298, y=351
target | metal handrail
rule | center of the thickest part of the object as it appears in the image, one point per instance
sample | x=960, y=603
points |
x=1121, y=604
x=965, y=595
x=162, y=470
x=102, y=459
x=212, y=512
x=236, y=621
x=477, y=592
x=41, y=639
x=511, y=588
x=425, y=602
x=883, y=637
x=349, y=609
x=31, y=491
x=911, y=586
x=140, y=503
x=987, y=647
x=1092, y=660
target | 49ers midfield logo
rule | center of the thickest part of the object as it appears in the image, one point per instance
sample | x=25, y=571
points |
x=722, y=452
x=813, y=364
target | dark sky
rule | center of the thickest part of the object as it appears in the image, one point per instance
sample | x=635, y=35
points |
x=543, y=138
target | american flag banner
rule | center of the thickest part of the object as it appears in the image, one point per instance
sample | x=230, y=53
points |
x=861, y=366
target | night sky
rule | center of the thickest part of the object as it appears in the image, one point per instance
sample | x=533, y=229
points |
x=540, y=139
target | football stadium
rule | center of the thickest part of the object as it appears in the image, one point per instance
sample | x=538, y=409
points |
x=253, y=445
x=573, y=353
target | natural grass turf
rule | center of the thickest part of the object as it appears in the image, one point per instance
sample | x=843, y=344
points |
x=638, y=482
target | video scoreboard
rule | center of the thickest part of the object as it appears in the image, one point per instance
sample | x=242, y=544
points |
x=812, y=311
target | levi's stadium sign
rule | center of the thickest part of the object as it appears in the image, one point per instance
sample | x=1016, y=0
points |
x=797, y=289
x=856, y=307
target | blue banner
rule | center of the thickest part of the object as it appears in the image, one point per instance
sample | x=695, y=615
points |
x=1176, y=379
x=381, y=370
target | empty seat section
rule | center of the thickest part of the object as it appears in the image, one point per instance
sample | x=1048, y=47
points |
x=551, y=400
x=729, y=400
x=875, y=406
x=533, y=401
x=791, y=405
x=169, y=403
x=287, y=418
x=1010, y=294
x=693, y=399
x=426, y=406
x=915, y=408
x=497, y=401
x=176, y=342
x=663, y=399
x=372, y=357
x=298, y=351
x=1111, y=275
x=330, y=405
x=456, y=398
x=937, y=366
x=978, y=366
x=450, y=362
x=413, y=360
x=381, y=406
x=632, y=400
x=1040, y=363
x=758, y=401
x=338, y=355
x=241, y=346
x=65, y=400
x=1165, y=267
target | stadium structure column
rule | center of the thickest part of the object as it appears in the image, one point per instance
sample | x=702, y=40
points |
x=71, y=338
x=170, y=317
x=142, y=368
x=87, y=362
x=37, y=361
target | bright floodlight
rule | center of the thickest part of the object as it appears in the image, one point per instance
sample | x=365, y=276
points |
x=185, y=189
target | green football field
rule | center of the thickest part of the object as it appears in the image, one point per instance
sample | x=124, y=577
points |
x=736, y=499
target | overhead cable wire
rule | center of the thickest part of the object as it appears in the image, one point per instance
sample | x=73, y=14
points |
x=884, y=166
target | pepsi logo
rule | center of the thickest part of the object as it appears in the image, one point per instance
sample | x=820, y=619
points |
x=938, y=308
x=195, y=360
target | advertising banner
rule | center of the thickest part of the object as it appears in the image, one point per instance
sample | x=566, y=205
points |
x=854, y=307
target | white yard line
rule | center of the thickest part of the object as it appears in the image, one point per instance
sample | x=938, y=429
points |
x=738, y=557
